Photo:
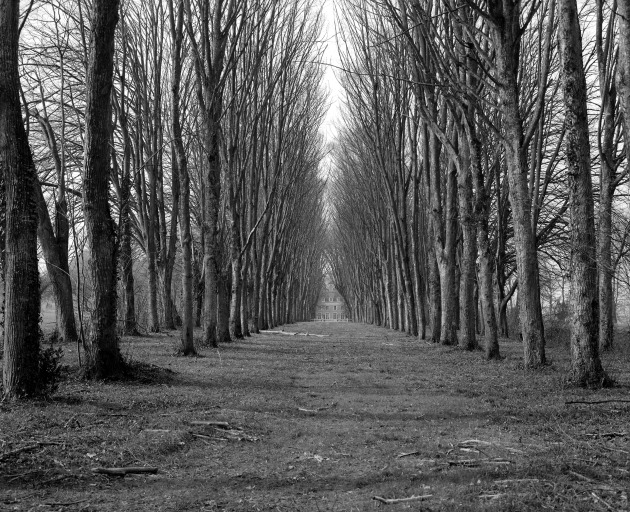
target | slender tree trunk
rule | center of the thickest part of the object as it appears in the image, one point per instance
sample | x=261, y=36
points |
x=177, y=34
x=586, y=367
x=154, y=318
x=101, y=346
x=125, y=258
x=482, y=214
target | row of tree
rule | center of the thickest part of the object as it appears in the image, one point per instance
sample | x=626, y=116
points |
x=465, y=166
x=174, y=140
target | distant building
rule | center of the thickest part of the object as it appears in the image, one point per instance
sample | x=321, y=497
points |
x=330, y=305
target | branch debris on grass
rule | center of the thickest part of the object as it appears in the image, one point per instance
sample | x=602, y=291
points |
x=125, y=471
x=393, y=501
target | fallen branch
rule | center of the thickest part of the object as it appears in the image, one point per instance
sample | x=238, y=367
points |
x=476, y=462
x=319, y=409
x=19, y=450
x=290, y=333
x=218, y=424
x=597, y=498
x=125, y=471
x=393, y=501
x=582, y=477
x=492, y=496
x=409, y=454
x=608, y=434
x=516, y=481
x=64, y=504
x=612, y=400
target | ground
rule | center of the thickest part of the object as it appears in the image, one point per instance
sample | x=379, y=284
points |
x=308, y=423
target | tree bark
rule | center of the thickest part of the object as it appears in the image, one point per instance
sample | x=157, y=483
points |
x=468, y=334
x=482, y=214
x=507, y=40
x=20, y=274
x=101, y=346
x=586, y=367
x=177, y=34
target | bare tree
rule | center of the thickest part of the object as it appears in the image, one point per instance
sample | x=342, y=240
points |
x=586, y=367
x=101, y=346
x=20, y=274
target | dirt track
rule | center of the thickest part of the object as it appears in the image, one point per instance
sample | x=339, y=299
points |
x=322, y=423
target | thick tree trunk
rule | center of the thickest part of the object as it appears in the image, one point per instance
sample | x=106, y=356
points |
x=101, y=346
x=623, y=89
x=507, y=38
x=245, y=296
x=435, y=299
x=223, y=308
x=586, y=367
x=467, y=306
x=212, y=186
x=446, y=263
x=19, y=262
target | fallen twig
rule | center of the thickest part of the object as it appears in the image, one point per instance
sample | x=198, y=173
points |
x=612, y=400
x=218, y=424
x=319, y=409
x=63, y=504
x=289, y=333
x=492, y=496
x=393, y=501
x=597, y=498
x=409, y=454
x=125, y=471
x=608, y=434
x=19, y=450
x=516, y=481
x=582, y=477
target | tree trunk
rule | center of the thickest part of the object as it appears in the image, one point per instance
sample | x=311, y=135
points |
x=101, y=346
x=19, y=262
x=586, y=367
x=507, y=38
x=57, y=267
x=482, y=214
x=126, y=259
x=468, y=335
x=177, y=34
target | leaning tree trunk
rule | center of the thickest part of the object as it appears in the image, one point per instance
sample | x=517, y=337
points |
x=586, y=367
x=19, y=270
x=57, y=267
x=54, y=241
x=101, y=346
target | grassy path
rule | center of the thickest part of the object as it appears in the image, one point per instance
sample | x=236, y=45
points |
x=322, y=423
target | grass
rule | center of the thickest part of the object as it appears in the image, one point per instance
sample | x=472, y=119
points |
x=322, y=423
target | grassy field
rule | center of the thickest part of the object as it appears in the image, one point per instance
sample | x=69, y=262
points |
x=307, y=423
